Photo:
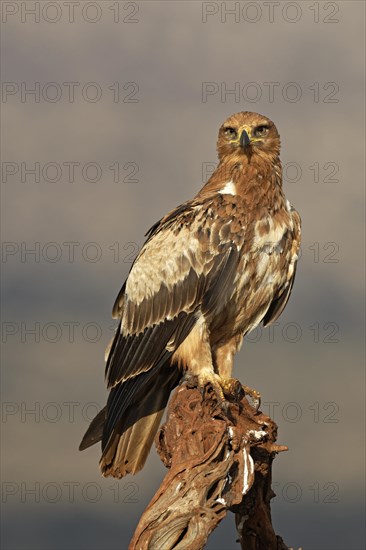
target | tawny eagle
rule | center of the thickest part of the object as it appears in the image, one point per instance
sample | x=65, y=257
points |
x=209, y=272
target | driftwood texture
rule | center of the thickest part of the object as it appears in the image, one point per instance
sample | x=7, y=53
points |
x=219, y=459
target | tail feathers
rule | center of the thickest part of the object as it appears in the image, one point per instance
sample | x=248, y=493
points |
x=95, y=431
x=130, y=440
x=128, y=452
x=128, y=424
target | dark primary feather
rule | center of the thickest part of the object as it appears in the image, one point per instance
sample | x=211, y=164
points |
x=134, y=354
x=95, y=431
x=279, y=303
x=220, y=287
x=119, y=412
x=130, y=432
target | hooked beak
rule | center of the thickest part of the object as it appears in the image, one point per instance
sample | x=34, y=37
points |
x=244, y=139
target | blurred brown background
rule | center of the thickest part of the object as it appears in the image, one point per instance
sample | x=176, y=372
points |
x=121, y=127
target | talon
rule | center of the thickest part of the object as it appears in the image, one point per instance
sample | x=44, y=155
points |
x=232, y=389
x=214, y=380
x=202, y=391
x=255, y=397
x=225, y=407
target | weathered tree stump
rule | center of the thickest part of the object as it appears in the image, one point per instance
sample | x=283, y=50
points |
x=219, y=459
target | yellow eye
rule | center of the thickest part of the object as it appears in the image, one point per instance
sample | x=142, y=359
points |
x=261, y=131
x=231, y=133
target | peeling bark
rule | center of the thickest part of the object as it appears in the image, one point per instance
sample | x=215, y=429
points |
x=219, y=459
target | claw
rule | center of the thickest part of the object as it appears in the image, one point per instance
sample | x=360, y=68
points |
x=214, y=380
x=213, y=383
x=226, y=390
x=255, y=397
x=225, y=407
x=202, y=391
x=232, y=389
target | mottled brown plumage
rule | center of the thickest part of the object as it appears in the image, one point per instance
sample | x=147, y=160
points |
x=210, y=271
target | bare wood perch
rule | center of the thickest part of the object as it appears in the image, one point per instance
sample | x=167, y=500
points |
x=218, y=460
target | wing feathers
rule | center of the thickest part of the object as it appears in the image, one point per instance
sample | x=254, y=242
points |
x=133, y=355
x=174, y=275
x=129, y=439
x=222, y=285
x=279, y=304
x=95, y=431
x=121, y=413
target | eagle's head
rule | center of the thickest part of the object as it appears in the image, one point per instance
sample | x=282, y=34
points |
x=247, y=133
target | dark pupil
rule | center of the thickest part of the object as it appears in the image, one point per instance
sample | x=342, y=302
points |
x=230, y=132
x=261, y=129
